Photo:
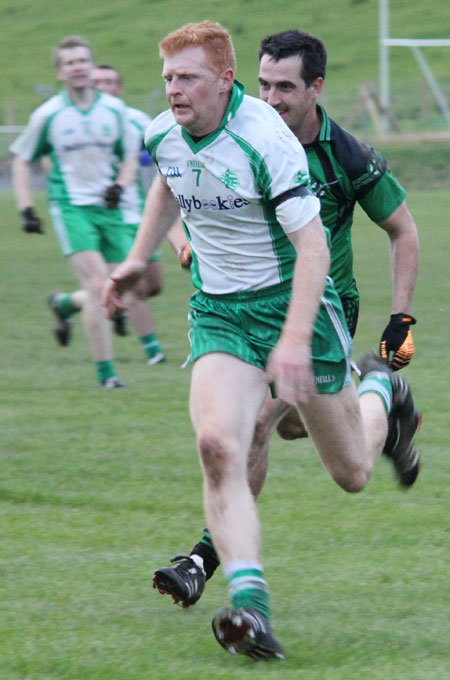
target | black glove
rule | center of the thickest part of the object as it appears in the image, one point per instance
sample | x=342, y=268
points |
x=112, y=195
x=31, y=223
x=396, y=344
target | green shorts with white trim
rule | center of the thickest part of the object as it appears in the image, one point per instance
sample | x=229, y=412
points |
x=248, y=325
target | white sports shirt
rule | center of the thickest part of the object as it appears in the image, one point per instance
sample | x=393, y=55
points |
x=227, y=185
x=85, y=147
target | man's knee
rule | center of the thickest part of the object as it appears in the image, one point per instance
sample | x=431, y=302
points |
x=291, y=427
x=214, y=459
x=95, y=285
x=352, y=479
x=145, y=288
x=151, y=282
x=154, y=289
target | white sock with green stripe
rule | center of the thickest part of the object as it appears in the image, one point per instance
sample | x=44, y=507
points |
x=379, y=383
x=247, y=586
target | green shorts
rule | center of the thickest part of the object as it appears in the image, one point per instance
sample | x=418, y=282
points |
x=248, y=326
x=132, y=229
x=88, y=227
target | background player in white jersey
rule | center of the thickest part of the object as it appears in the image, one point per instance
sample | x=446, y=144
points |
x=93, y=154
x=107, y=79
x=265, y=311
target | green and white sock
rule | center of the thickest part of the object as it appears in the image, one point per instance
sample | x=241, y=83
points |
x=151, y=345
x=105, y=370
x=247, y=586
x=378, y=383
x=65, y=306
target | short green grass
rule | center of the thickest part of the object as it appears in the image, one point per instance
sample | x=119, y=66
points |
x=99, y=488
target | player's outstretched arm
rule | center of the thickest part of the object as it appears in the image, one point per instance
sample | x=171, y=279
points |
x=396, y=343
x=160, y=213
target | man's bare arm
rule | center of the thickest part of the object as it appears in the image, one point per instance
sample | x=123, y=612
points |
x=160, y=212
x=404, y=248
x=31, y=223
x=396, y=343
x=21, y=183
x=127, y=172
x=290, y=363
x=180, y=244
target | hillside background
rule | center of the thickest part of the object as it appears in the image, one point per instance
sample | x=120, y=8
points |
x=127, y=35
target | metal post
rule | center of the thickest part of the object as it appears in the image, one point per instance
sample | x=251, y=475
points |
x=432, y=83
x=383, y=10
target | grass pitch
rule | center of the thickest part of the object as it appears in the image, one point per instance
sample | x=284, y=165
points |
x=98, y=488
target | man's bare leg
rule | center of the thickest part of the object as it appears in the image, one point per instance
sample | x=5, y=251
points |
x=273, y=415
x=349, y=445
x=353, y=438
x=140, y=312
x=92, y=272
x=203, y=560
x=226, y=394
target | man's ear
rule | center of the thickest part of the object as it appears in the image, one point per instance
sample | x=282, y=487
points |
x=317, y=84
x=227, y=79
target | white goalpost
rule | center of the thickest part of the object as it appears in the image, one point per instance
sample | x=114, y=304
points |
x=385, y=42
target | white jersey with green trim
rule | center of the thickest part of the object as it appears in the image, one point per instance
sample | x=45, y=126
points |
x=133, y=198
x=85, y=147
x=225, y=185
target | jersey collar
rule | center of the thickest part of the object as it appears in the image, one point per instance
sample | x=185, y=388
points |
x=237, y=95
x=325, y=130
x=69, y=102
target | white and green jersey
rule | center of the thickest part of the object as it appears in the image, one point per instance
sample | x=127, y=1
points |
x=133, y=198
x=227, y=185
x=85, y=147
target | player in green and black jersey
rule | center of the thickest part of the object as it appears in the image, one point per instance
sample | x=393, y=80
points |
x=344, y=171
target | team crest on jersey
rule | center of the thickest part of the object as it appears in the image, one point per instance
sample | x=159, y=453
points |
x=230, y=179
x=302, y=178
x=173, y=171
x=106, y=130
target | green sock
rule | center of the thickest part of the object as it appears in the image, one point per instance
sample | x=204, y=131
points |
x=65, y=305
x=105, y=370
x=377, y=382
x=248, y=588
x=151, y=345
